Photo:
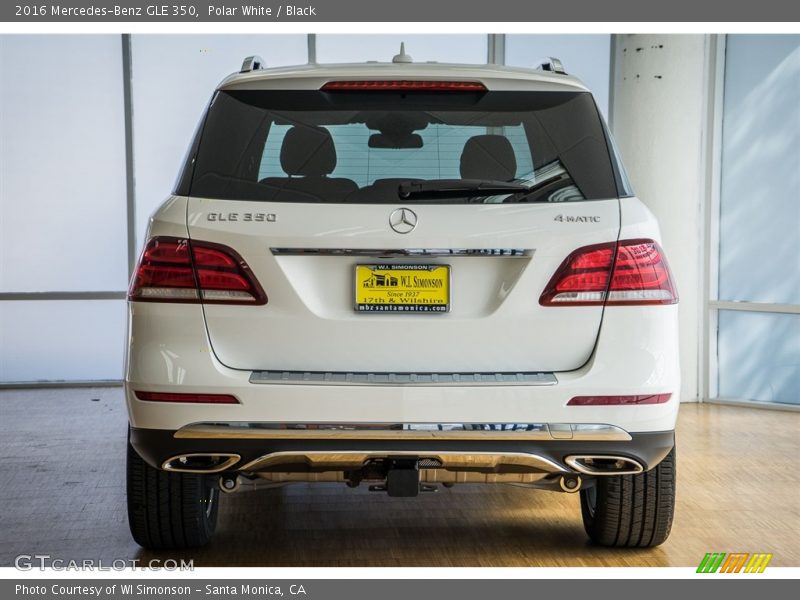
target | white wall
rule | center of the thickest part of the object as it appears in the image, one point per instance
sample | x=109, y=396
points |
x=62, y=164
x=659, y=94
x=62, y=205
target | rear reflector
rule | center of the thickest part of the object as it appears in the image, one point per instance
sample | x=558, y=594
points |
x=617, y=400
x=405, y=86
x=179, y=270
x=626, y=272
x=192, y=398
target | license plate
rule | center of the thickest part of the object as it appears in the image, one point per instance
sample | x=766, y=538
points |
x=403, y=288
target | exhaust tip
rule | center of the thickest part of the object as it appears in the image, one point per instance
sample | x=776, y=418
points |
x=200, y=462
x=597, y=464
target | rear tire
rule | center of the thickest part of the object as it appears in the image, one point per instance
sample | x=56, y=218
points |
x=169, y=511
x=631, y=511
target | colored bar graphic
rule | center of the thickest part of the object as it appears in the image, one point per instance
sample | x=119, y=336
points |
x=741, y=563
x=733, y=563
x=711, y=562
x=765, y=563
x=717, y=563
x=758, y=563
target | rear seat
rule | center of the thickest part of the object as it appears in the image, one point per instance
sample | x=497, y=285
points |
x=488, y=157
x=308, y=156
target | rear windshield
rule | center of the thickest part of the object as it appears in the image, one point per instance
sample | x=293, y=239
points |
x=372, y=147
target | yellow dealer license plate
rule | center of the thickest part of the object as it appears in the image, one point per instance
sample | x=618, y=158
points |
x=403, y=288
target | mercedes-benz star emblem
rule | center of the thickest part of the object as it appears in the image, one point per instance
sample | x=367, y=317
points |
x=403, y=220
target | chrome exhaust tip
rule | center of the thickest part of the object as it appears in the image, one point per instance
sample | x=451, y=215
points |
x=200, y=462
x=598, y=464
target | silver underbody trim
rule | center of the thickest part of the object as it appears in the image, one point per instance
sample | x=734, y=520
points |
x=457, y=461
x=405, y=252
x=534, y=479
x=355, y=378
x=405, y=431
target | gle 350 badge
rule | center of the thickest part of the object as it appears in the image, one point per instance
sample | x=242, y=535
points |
x=258, y=217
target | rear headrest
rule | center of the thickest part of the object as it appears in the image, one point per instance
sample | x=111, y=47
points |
x=488, y=157
x=308, y=151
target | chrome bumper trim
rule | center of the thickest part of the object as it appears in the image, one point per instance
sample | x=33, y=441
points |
x=353, y=378
x=406, y=252
x=342, y=461
x=405, y=431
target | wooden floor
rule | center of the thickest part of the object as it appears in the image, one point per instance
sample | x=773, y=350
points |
x=62, y=493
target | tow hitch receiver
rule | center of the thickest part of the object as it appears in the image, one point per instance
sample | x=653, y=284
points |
x=402, y=478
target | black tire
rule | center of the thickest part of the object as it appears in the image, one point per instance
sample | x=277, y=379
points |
x=169, y=511
x=631, y=511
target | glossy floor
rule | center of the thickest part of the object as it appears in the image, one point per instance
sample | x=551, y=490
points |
x=62, y=493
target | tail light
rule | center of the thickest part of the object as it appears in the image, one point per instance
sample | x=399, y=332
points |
x=192, y=398
x=180, y=270
x=403, y=85
x=625, y=272
x=617, y=400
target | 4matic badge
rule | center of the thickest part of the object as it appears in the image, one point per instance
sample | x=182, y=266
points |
x=577, y=219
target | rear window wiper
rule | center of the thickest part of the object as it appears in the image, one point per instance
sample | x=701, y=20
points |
x=544, y=185
x=457, y=188
x=473, y=188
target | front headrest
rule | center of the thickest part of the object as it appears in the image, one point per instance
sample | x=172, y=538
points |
x=308, y=151
x=488, y=157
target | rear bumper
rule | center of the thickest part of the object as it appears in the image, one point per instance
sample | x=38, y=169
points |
x=169, y=351
x=256, y=449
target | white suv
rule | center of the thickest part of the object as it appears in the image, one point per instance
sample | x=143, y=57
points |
x=403, y=275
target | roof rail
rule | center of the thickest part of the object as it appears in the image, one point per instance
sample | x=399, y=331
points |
x=252, y=63
x=551, y=64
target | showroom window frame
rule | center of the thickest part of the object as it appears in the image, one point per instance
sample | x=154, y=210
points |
x=708, y=378
x=711, y=305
